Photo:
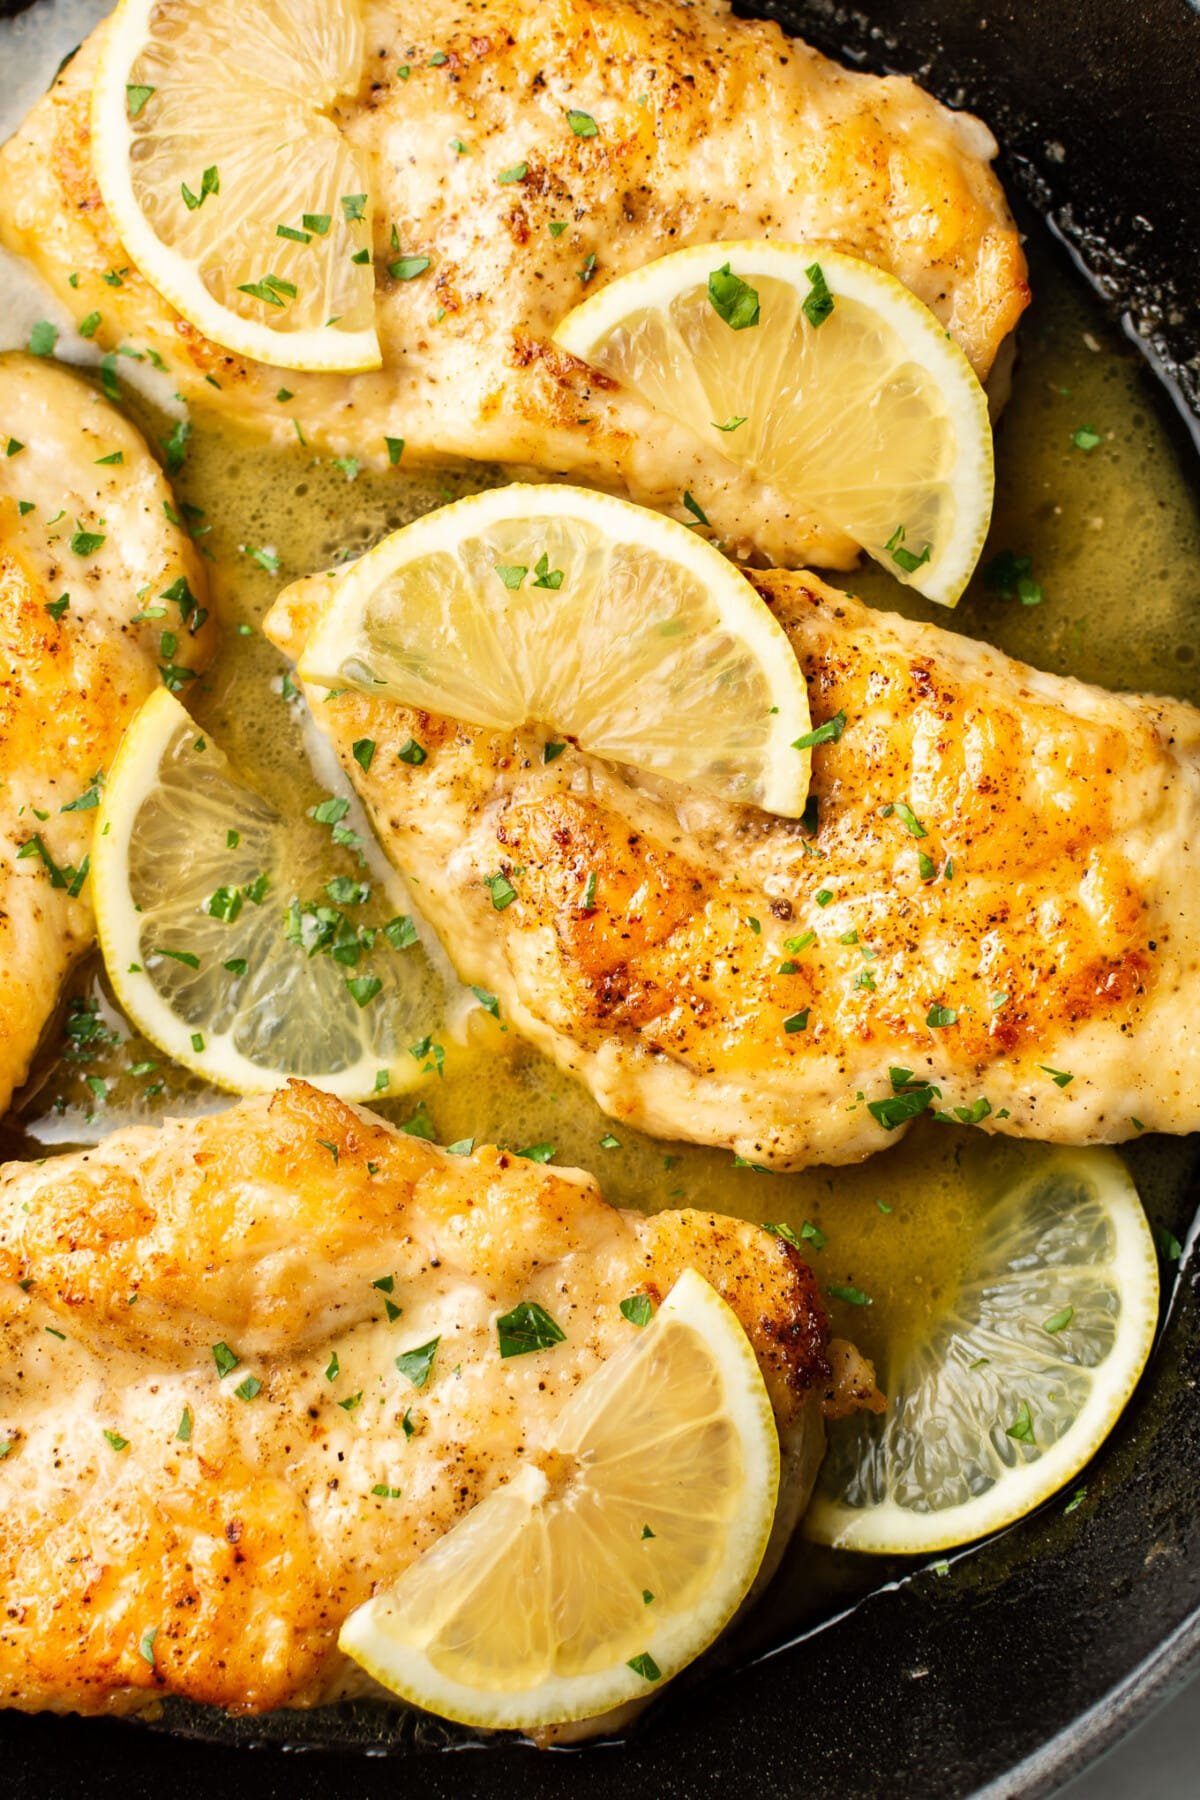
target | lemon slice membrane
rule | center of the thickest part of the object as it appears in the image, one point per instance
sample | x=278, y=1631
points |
x=825, y=376
x=580, y=612
x=607, y=1564
x=193, y=877
x=1021, y=1380
x=229, y=183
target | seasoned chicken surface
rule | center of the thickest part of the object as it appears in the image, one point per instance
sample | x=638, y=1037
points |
x=706, y=127
x=998, y=899
x=85, y=547
x=199, y=1399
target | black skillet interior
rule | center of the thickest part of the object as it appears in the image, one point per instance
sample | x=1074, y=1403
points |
x=1036, y=1652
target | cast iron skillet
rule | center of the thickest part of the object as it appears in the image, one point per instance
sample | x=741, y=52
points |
x=1005, y=1680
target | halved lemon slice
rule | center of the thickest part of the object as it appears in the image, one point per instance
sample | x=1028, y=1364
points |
x=605, y=1567
x=1019, y=1383
x=566, y=608
x=229, y=183
x=825, y=376
x=230, y=937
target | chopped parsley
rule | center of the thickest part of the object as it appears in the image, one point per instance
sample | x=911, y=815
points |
x=1010, y=576
x=226, y=1359
x=518, y=172
x=273, y=290
x=210, y=183
x=1059, y=1077
x=1086, y=437
x=1060, y=1321
x=501, y=888
x=907, y=817
x=416, y=1364
x=526, y=1328
x=544, y=575
x=819, y=303
x=43, y=338
x=851, y=1295
x=136, y=97
x=938, y=1017
x=906, y=559
x=828, y=733
x=644, y=1665
x=733, y=299
x=1021, y=1429
x=797, y=1022
x=582, y=124
x=407, y=268
x=363, y=988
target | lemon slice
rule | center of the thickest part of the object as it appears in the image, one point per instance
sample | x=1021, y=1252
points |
x=229, y=184
x=194, y=876
x=1019, y=1383
x=600, y=620
x=827, y=378
x=596, y=1574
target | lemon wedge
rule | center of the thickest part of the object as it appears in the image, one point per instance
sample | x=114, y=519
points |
x=229, y=184
x=1019, y=1382
x=566, y=608
x=230, y=942
x=827, y=378
x=597, y=1573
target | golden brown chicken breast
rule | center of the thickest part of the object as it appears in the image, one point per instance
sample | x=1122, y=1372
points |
x=990, y=911
x=689, y=126
x=200, y=1403
x=101, y=598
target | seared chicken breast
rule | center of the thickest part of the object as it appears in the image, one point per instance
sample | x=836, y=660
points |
x=101, y=597
x=199, y=1399
x=690, y=126
x=989, y=911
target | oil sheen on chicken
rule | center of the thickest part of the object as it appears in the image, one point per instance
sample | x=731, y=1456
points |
x=992, y=915
x=171, y=1523
x=99, y=592
x=707, y=127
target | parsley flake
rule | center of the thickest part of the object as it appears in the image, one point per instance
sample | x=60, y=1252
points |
x=528, y=1327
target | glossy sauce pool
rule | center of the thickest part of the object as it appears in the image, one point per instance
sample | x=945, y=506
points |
x=1113, y=534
